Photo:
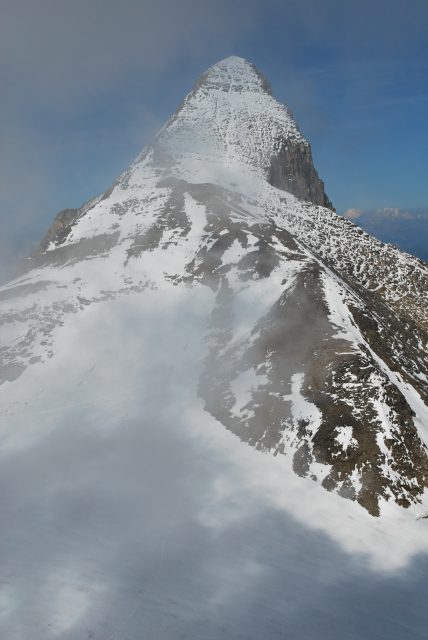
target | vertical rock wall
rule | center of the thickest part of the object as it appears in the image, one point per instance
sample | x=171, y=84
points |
x=292, y=169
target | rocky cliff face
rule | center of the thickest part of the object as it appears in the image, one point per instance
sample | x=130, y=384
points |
x=292, y=170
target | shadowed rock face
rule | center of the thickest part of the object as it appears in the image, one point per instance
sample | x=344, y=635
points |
x=292, y=170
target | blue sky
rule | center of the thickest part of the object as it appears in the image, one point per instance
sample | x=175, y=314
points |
x=86, y=84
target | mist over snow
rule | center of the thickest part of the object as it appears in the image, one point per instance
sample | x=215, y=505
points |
x=127, y=513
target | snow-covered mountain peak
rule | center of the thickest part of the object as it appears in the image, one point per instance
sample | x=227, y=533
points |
x=230, y=129
x=203, y=359
x=307, y=319
x=234, y=74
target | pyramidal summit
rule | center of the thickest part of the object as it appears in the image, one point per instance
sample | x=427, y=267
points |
x=206, y=340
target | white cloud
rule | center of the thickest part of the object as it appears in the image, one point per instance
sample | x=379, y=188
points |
x=353, y=214
x=396, y=213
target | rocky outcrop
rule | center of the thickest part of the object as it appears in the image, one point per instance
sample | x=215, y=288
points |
x=47, y=252
x=57, y=233
x=60, y=228
x=292, y=170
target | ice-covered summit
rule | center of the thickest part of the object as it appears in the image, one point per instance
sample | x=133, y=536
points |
x=234, y=74
x=230, y=126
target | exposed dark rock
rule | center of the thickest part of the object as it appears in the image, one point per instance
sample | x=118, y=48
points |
x=60, y=228
x=347, y=389
x=292, y=170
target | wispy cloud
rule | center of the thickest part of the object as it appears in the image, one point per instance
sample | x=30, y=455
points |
x=386, y=213
x=395, y=213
